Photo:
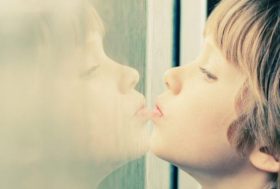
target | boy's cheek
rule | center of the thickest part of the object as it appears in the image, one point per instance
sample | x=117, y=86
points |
x=186, y=138
x=189, y=147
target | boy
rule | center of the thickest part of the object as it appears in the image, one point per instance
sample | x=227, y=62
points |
x=219, y=120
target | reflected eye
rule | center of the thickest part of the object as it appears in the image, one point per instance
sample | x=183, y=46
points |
x=89, y=71
x=91, y=62
x=208, y=74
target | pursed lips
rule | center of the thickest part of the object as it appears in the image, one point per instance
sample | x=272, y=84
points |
x=142, y=110
x=157, y=112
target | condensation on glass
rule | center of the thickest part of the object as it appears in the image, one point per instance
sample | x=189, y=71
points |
x=70, y=114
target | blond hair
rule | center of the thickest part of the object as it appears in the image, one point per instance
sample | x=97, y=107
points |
x=248, y=34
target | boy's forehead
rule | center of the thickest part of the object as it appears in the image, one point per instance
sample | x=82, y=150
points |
x=212, y=51
x=210, y=45
x=209, y=27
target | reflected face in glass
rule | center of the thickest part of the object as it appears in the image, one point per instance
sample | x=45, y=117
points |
x=111, y=114
x=61, y=86
x=193, y=115
x=69, y=114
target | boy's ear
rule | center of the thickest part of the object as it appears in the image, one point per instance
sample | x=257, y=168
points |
x=263, y=160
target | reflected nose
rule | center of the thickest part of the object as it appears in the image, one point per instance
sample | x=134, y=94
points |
x=129, y=79
x=172, y=80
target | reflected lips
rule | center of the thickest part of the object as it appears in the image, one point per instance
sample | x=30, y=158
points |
x=142, y=111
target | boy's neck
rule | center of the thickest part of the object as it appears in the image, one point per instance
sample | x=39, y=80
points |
x=246, y=179
x=240, y=183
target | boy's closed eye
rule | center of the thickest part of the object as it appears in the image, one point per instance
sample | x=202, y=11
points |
x=209, y=75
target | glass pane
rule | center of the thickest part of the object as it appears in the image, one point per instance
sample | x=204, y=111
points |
x=70, y=111
x=125, y=41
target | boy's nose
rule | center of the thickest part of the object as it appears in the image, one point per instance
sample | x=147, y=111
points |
x=172, y=80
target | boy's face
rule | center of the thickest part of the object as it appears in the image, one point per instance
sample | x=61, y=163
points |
x=194, y=113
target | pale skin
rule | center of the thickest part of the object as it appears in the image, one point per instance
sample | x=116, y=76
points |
x=94, y=119
x=191, y=121
x=117, y=114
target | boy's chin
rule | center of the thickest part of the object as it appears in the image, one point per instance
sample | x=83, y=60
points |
x=170, y=153
x=160, y=149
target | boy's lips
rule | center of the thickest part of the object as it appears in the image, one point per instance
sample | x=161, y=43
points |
x=157, y=112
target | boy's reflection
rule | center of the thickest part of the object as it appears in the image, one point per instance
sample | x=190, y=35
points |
x=72, y=114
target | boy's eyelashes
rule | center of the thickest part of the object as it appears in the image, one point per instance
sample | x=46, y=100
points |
x=208, y=74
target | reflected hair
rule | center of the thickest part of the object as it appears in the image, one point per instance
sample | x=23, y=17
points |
x=48, y=29
x=247, y=33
